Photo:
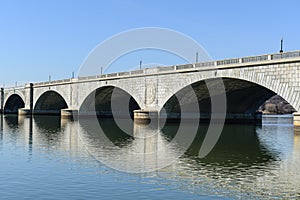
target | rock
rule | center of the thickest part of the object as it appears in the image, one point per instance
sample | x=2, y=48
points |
x=276, y=105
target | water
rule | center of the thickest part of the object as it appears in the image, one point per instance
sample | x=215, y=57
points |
x=50, y=158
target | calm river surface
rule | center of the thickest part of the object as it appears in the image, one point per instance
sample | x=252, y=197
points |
x=50, y=158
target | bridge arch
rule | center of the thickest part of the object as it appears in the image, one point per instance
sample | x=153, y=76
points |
x=13, y=103
x=270, y=82
x=12, y=92
x=243, y=96
x=50, y=102
x=101, y=99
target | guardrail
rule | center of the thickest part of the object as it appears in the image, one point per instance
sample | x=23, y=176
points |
x=163, y=69
x=14, y=87
x=200, y=65
x=188, y=66
x=135, y=72
x=53, y=82
x=255, y=59
x=124, y=73
x=285, y=55
x=228, y=61
x=205, y=64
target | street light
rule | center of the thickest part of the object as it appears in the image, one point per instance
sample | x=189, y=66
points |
x=140, y=64
x=281, y=46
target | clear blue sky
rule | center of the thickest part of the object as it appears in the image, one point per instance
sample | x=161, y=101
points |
x=42, y=38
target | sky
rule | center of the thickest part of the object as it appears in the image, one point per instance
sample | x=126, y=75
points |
x=45, y=38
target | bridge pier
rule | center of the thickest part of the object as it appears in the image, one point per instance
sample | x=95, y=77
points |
x=296, y=123
x=296, y=119
x=145, y=116
x=29, y=107
x=24, y=111
x=69, y=114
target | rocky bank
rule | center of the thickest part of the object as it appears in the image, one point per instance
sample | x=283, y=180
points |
x=276, y=105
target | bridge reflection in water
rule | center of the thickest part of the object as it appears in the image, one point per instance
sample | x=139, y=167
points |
x=248, y=159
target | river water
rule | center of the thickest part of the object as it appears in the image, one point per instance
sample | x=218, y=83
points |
x=50, y=158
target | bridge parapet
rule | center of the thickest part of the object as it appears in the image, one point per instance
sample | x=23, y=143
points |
x=292, y=54
x=235, y=62
x=211, y=65
x=64, y=81
x=255, y=58
x=228, y=61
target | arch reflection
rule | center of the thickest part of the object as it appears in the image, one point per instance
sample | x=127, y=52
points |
x=150, y=148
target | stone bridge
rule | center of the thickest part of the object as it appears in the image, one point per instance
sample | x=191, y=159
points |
x=248, y=81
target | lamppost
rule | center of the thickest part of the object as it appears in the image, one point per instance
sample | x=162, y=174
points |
x=281, y=46
x=140, y=64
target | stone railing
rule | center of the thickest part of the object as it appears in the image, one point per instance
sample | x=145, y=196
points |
x=234, y=61
x=285, y=55
x=255, y=58
x=53, y=82
x=9, y=88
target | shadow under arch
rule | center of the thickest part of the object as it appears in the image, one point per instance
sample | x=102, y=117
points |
x=13, y=104
x=50, y=103
x=243, y=99
x=112, y=103
x=99, y=102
